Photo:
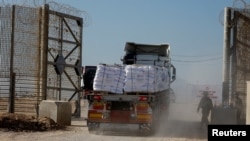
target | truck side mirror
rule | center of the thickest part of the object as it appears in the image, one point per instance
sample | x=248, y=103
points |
x=173, y=73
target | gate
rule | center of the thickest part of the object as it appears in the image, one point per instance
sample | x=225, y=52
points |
x=236, y=55
x=40, y=58
x=64, y=57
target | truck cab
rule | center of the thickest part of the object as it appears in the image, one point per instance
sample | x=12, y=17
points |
x=149, y=54
x=88, y=78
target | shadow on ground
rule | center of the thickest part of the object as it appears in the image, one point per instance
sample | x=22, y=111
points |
x=182, y=129
x=172, y=129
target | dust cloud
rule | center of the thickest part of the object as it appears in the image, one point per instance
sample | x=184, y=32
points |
x=183, y=122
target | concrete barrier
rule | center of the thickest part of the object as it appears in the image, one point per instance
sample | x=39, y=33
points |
x=223, y=116
x=59, y=111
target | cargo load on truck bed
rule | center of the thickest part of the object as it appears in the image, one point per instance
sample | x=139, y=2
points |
x=121, y=79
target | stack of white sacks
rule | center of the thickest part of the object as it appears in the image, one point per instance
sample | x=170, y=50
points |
x=131, y=78
x=145, y=78
x=109, y=78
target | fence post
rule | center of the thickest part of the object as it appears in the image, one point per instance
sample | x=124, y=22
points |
x=11, y=106
x=12, y=74
x=44, y=45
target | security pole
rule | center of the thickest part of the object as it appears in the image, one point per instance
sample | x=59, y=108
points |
x=11, y=105
x=226, y=55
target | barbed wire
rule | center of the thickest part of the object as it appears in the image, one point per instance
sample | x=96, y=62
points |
x=241, y=5
x=53, y=5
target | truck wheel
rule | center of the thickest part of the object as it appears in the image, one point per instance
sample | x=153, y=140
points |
x=93, y=127
x=146, y=129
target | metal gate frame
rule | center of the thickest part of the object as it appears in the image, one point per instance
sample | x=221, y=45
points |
x=58, y=58
x=236, y=67
x=66, y=59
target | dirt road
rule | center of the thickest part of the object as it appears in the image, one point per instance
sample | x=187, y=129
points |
x=183, y=125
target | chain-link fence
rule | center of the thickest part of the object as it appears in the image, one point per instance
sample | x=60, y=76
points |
x=40, y=57
x=237, y=55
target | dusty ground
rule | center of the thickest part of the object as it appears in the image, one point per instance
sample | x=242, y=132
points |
x=183, y=125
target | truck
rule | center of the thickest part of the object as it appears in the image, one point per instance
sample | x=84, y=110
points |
x=135, y=92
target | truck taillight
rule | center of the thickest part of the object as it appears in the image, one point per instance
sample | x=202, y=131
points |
x=98, y=105
x=143, y=98
x=142, y=106
x=97, y=97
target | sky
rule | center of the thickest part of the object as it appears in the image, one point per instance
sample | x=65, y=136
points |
x=193, y=28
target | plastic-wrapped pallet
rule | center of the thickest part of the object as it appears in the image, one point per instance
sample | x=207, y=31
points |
x=145, y=78
x=109, y=78
x=162, y=79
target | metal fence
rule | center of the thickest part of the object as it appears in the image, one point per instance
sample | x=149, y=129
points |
x=237, y=55
x=40, y=57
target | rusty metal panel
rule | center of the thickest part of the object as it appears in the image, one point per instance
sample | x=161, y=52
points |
x=242, y=45
x=242, y=48
x=239, y=55
x=20, y=55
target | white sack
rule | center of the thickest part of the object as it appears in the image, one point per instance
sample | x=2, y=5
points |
x=109, y=78
x=145, y=78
